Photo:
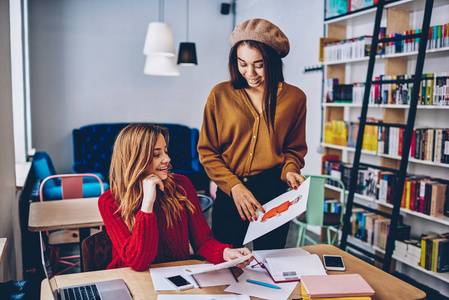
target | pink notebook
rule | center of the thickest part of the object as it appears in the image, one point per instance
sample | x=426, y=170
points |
x=344, y=285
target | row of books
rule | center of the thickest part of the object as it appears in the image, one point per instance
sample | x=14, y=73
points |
x=354, y=48
x=358, y=47
x=438, y=38
x=373, y=229
x=435, y=252
x=421, y=194
x=434, y=90
x=339, y=7
x=332, y=206
x=430, y=144
x=408, y=250
x=367, y=178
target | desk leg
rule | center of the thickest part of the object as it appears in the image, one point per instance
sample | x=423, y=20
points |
x=84, y=233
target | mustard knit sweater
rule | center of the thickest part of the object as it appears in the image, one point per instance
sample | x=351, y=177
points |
x=234, y=139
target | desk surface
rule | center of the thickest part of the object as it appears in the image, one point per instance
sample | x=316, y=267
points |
x=2, y=247
x=141, y=285
x=64, y=214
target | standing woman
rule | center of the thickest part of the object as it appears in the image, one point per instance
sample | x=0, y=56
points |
x=252, y=141
x=150, y=214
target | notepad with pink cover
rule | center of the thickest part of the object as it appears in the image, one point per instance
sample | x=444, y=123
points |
x=344, y=285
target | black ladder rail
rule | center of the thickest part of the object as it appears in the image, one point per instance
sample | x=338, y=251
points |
x=407, y=139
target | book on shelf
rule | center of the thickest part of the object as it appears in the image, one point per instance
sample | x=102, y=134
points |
x=442, y=255
x=435, y=252
x=329, y=89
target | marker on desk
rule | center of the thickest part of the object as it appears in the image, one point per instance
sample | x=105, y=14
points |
x=263, y=284
x=196, y=281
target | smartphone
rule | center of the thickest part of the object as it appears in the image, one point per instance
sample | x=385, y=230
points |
x=179, y=282
x=333, y=263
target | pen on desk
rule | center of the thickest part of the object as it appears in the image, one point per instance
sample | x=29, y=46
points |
x=264, y=284
x=194, y=279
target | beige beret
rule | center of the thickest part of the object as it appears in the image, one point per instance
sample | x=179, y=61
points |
x=263, y=31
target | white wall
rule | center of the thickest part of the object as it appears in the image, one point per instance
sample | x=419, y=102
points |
x=87, y=64
x=9, y=218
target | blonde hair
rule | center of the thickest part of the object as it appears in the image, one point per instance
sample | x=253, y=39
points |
x=131, y=158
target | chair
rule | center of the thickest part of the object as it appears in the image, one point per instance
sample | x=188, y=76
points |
x=43, y=168
x=97, y=251
x=71, y=187
x=206, y=203
x=315, y=214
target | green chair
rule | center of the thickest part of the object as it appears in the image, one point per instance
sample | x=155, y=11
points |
x=315, y=215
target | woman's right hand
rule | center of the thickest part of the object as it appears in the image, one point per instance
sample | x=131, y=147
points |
x=149, y=185
x=245, y=202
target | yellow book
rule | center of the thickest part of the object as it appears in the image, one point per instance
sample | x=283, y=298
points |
x=305, y=297
x=407, y=195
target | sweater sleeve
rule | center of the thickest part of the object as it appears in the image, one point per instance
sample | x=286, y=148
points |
x=209, y=152
x=137, y=249
x=295, y=146
x=201, y=237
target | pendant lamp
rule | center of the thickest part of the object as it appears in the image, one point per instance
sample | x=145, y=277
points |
x=187, y=51
x=159, y=48
x=161, y=65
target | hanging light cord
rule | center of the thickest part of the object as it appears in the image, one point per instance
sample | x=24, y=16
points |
x=161, y=11
x=187, y=20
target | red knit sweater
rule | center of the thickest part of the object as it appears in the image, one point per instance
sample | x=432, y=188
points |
x=151, y=241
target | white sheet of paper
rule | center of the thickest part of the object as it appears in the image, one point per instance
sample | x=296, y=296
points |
x=259, y=228
x=245, y=288
x=209, y=267
x=261, y=255
x=203, y=297
x=298, y=265
x=214, y=278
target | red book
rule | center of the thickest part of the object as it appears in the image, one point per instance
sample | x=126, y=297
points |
x=412, y=194
x=401, y=138
x=413, y=145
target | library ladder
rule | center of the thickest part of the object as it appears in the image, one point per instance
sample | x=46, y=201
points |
x=407, y=137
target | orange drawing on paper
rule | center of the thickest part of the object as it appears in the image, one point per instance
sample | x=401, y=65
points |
x=278, y=210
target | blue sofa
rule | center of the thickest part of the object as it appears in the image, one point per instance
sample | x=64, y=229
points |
x=93, y=144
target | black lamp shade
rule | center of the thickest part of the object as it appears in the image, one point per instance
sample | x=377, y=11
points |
x=187, y=54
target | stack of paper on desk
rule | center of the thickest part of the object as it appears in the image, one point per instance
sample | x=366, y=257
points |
x=286, y=265
x=344, y=285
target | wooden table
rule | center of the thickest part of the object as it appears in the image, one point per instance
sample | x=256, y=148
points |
x=79, y=214
x=141, y=285
x=2, y=247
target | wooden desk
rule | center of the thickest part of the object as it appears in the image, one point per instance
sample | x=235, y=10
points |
x=141, y=285
x=79, y=214
x=2, y=247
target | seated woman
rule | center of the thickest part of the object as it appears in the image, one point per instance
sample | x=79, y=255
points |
x=151, y=214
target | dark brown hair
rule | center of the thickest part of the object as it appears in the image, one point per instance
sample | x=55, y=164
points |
x=272, y=64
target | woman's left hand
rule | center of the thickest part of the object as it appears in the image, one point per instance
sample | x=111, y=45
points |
x=294, y=179
x=230, y=254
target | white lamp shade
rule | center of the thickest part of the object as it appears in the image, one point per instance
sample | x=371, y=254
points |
x=159, y=40
x=160, y=65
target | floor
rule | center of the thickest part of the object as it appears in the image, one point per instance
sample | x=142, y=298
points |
x=34, y=280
